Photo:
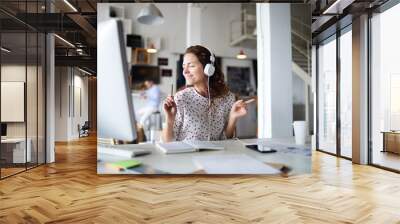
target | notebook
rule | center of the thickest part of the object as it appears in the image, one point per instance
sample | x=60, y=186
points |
x=126, y=164
x=129, y=150
x=187, y=146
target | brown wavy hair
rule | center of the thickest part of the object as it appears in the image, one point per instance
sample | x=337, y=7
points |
x=218, y=88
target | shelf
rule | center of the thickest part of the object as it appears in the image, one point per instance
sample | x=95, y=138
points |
x=247, y=41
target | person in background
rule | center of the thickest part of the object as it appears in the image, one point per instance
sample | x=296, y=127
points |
x=152, y=95
x=205, y=109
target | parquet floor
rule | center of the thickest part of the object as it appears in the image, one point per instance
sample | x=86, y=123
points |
x=70, y=191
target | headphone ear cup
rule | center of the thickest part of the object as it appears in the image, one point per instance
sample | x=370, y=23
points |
x=209, y=69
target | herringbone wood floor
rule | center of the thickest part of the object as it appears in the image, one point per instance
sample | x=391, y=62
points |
x=70, y=191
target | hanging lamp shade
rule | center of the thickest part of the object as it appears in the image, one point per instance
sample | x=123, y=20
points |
x=241, y=55
x=152, y=49
x=150, y=15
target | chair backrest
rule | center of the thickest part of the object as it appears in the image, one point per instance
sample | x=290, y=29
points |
x=86, y=125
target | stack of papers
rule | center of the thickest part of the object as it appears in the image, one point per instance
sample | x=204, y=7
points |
x=187, y=146
x=233, y=164
x=129, y=150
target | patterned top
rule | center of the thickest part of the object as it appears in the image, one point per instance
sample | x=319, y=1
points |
x=192, y=119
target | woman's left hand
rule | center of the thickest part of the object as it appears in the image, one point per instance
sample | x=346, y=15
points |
x=238, y=110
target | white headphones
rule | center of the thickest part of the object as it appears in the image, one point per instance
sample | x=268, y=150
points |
x=209, y=69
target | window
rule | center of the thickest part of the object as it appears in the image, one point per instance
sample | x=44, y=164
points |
x=22, y=80
x=327, y=95
x=346, y=92
x=385, y=88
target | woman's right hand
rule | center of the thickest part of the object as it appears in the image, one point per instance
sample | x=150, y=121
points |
x=170, y=108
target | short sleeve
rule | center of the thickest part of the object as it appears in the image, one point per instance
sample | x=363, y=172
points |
x=228, y=102
x=228, y=106
x=179, y=100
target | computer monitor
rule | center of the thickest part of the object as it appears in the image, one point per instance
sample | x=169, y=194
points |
x=3, y=129
x=116, y=117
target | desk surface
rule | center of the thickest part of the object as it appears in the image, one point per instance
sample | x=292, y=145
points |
x=14, y=140
x=391, y=132
x=296, y=157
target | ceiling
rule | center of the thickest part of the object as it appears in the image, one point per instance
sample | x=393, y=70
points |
x=76, y=26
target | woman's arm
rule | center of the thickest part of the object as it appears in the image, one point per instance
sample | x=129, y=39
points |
x=170, y=110
x=230, y=128
x=168, y=132
x=238, y=110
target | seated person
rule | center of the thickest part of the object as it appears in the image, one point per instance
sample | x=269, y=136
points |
x=205, y=109
x=152, y=94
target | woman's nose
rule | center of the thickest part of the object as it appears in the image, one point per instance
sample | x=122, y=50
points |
x=185, y=70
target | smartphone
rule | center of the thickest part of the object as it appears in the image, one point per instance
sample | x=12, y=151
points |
x=261, y=148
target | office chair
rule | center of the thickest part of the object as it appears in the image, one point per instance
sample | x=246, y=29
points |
x=84, y=130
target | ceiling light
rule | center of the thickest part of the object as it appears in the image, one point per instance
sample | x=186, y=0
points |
x=337, y=7
x=152, y=49
x=84, y=71
x=241, y=55
x=5, y=50
x=70, y=5
x=150, y=15
x=64, y=40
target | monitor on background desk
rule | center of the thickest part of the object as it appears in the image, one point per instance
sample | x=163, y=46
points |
x=3, y=130
x=116, y=117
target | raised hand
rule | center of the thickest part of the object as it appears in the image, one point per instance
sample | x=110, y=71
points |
x=170, y=108
x=239, y=109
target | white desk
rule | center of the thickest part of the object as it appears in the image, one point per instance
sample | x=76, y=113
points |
x=298, y=158
x=18, y=150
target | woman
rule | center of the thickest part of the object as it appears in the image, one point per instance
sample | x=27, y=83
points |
x=190, y=115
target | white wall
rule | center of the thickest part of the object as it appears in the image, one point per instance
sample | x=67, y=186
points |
x=275, y=113
x=61, y=103
x=215, y=28
x=33, y=126
x=68, y=82
x=215, y=31
x=298, y=90
x=16, y=72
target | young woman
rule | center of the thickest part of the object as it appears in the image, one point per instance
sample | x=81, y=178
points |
x=205, y=109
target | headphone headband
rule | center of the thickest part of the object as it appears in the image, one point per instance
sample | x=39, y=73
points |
x=212, y=56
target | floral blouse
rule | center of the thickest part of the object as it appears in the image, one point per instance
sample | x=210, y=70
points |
x=194, y=121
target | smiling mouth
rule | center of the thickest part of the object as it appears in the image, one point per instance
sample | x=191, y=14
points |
x=189, y=76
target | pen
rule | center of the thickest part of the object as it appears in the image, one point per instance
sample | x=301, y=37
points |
x=249, y=101
x=172, y=90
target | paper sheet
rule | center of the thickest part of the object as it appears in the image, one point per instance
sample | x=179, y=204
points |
x=233, y=164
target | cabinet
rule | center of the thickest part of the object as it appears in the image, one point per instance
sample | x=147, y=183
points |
x=13, y=150
x=391, y=142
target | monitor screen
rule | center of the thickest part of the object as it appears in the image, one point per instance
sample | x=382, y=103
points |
x=116, y=118
x=3, y=129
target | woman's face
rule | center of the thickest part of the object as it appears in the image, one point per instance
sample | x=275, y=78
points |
x=193, y=70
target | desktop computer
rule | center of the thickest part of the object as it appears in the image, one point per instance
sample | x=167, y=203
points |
x=116, y=117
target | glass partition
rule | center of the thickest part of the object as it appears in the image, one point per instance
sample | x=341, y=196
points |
x=346, y=92
x=327, y=95
x=13, y=107
x=22, y=89
x=385, y=89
